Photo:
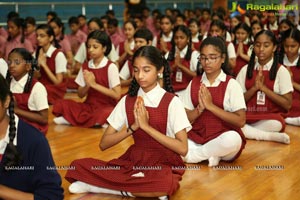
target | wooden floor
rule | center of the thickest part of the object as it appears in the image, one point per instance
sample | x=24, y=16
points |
x=265, y=170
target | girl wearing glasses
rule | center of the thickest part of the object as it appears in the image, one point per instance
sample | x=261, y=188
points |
x=216, y=108
x=267, y=90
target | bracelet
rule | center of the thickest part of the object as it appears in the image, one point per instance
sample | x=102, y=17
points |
x=129, y=128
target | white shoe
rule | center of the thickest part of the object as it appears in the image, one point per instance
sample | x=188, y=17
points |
x=78, y=187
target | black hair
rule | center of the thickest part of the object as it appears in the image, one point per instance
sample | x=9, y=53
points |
x=293, y=33
x=110, y=12
x=219, y=15
x=187, y=32
x=73, y=20
x=97, y=21
x=102, y=38
x=12, y=14
x=205, y=10
x=144, y=33
x=11, y=156
x=245, y=27
x=154, y=56
x=273, y=70
x=81, y=16
x=193, y=20
x=288, y=22
x=113, y=21
x=167, y=17
x=182, y=16
x=220, y=46
x=28, y=58
x=20, y=23
x=60, y=24
x=220, y=24
x=30, y=20
x=51, y=13
x=132, y=22
x=49, y=32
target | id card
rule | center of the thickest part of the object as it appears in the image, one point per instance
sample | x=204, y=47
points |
x=178, y=76
x=261, y=98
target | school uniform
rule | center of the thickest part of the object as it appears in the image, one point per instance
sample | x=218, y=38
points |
x=180, y=80
x=40, y=176
x=32, y=39
x=3, y=67
x=57, y=63
x=295, y=109
x=196, y=42
x=240, y=62
x=16, y=43
x=97, y=106
x=65, y=45
x=35, y=100
x=121, y=49
x=76, y=40
x=260, y=107
x=227, y=95
x=126, y=71
x=167, y=39
x=151, y=169
x=272, y=27
x=82, y=55
x=116, y=39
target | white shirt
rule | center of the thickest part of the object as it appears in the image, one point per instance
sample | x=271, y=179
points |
x=233, y=99
x=282, y=85
x=194, y=57
x=113, y=73
x=125, y=73
x=167, y=38
x=231, y=50
x=131, y=46
x=5, y=140
x=177, y=118
x=37, y=100
x=287, y=63
x=196, y=38
x=3, y=67
x=60, y=60
x=81, y=54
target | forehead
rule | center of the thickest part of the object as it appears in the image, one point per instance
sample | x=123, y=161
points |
x=92, y=41
x=142, y=61
x=263, y=38
x=209, y=49
x=15, y=55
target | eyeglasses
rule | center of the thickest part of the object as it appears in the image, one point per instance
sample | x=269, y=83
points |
x=211, y=59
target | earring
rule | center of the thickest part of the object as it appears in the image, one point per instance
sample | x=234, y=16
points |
x=160, y=75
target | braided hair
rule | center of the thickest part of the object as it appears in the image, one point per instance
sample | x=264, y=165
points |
x=294, y=34
x=11, y=156
x=154, y=56
x=28, y=58
x=187, y=32
x=273, y=70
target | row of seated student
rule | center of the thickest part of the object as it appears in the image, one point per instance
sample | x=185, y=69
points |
x=210, y=120
x=263, y=86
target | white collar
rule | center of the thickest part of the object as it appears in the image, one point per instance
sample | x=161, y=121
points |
x=22, y=82
x=183, y=51
x=286, y=61
x=266, y=66
x=100, y=65
x=153, y=97
x=50, y=51
x=220, y=78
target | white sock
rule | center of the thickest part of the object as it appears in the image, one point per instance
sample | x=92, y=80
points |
x=213, y=161
x=268, y=125
x=293, y=121
x=81, y=187
x=61, y=120
x=163, y=198
x=78, y=187
x=257, y=134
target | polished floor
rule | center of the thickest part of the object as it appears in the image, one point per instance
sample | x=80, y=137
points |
x=265, y=170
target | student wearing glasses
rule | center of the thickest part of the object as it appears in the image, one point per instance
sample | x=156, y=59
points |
x=216, y=108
